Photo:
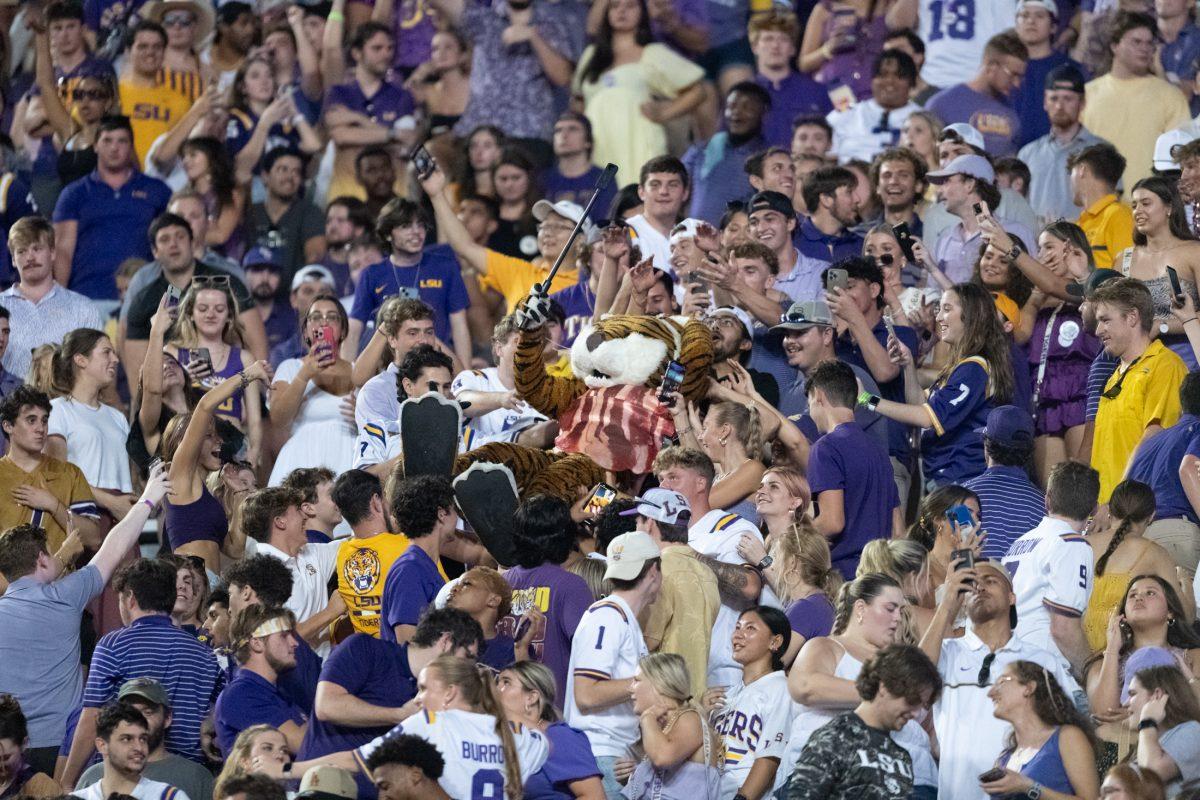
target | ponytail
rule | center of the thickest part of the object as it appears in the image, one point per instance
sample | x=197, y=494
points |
x=746, y=423
x=1132, y=502
x=79, y=342
x=1118, y=537
x=865, y=588
x=475, y=683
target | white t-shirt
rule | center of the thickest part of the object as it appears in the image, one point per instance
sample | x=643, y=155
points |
x=500, y=425
x=755, y=723
x=716, y=535
x=95, y=441
x=652, y=243
x=1052, y=573
x=955, y=31
x=472, y=750
x=311, y=569
x=608, y=644
x=964, y=705
x=146, y=789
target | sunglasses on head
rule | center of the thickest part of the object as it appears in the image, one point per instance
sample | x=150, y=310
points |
x=211, y=280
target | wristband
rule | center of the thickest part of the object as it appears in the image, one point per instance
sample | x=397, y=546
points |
x=1148, y=723
x=336, y=16
x=863, y=397
x=149, y=505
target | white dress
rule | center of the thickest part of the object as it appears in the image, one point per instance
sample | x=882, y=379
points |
x=320, y=437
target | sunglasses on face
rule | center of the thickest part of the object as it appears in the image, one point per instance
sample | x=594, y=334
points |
x=183, y=20
x=89, y=94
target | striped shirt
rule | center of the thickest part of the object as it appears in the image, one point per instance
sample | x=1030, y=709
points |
x=44, y=321
x=1012, y=506
x=146, y=789
x=153, y=647
x=1098, y=374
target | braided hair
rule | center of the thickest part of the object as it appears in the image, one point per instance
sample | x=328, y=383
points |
x=1132, y=502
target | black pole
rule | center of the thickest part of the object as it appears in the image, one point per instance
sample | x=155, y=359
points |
x=605, y=178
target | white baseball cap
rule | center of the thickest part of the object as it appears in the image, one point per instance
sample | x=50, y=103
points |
x=565, y=209
x=1049, y=5
x=662, y=505
x=968, y=133
x=313, y=272
x=628, y=553
x=1164, y=147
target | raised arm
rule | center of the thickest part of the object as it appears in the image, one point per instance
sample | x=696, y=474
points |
x=187, y=456
x=450, y=10
x=150, y=410
x=333, y=58
x=306, y=56
x=449, y=224
x=126, y=532
x=56, y=113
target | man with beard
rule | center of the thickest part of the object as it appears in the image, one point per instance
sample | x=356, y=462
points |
x=150, y=698
x=123, y=739
x=263, y=278
x=808, y=339
x=1047, y=157
x=717, y=166
x=969, y=664
x=346, y=219
x=376, y=174
x=286, y=221
x=732, y=332
x=264, y=648
x=825, y=236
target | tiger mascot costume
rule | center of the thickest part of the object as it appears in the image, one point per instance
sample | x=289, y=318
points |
x=609, y=415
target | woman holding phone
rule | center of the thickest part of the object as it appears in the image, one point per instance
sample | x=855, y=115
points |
x=207, y=343
x=307, y=396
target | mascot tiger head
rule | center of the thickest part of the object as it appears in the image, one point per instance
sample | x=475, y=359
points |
x=634, y=350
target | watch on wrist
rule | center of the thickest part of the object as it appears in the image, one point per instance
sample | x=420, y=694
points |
x=767, y=561
x=1013, y=254
x=868, y=400
x=1147, y=723
x=1034, y=792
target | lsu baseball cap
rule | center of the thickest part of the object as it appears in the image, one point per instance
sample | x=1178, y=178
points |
x=662, y=505
x=802, y=316
x=628, y=553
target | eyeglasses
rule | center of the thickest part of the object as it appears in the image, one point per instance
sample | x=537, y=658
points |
x=1111, y=394
x=178, y=19
x=317, y=316
x=985, y=670
x=89, y=94
x=211, y=280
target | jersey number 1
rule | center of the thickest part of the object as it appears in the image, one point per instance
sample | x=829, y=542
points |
x=958, y=16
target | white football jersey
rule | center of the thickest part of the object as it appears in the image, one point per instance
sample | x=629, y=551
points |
x=755, y=723
x=608, y=644
x=716, y=535
x=376, y=413
x=472, y=750
x=955, y=31
x=500, y=425
x=1051, y=568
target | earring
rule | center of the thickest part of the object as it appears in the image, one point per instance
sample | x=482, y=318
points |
x=723, y=440
x=860, y=619
x=1170, y=621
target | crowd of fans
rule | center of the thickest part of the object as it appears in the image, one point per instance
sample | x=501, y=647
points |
x=932, y=530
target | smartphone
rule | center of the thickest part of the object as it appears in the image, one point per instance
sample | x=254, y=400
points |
x=601, y=496
x=905, y=238
x=423, y=162
x=672, y=380
x=1176, y=289
x=978, y=209
x=408, y=293
x=200, y=354
x=994, y=774
x=836, y=279
x=891, y=329
x=325, y=335
x=963, y=559
x=174, y=294
x=522, y=627
x=960, y=515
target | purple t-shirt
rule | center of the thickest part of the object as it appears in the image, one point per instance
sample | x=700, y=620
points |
x=848, y=459
x=996, y=120
x=794, y=96
x=251, y=700
x=498, y=652
x=384, y=107
x=412, y=583
x=375, y=672
x=562, y=597
x=811, y=616
x=556, y=186
x=437, y=278
x=579, y=304
x=570, y=760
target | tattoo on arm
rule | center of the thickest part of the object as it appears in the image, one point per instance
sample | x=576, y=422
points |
x=732, y=580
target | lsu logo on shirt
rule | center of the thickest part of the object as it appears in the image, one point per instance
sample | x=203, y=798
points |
x=431, y=283
x=150, y=111
x=742, y=734
x=362, y=570
x=995, y=124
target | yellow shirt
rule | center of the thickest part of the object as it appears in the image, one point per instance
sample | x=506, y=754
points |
x=683, y=616
x=362, y=569
x=154, y=110
x=1108, y=225
x=62, y=479
x=1132, y=114
x=1149, y=396
x=514, y=277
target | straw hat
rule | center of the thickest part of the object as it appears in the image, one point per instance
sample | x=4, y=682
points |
x=203, y=11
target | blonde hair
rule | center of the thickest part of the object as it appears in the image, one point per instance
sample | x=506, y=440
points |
x=592, y=572
x=186, y=335
x=899, y=559
x=477, y=688
x=41, y=370
x=238, y=753
x=805, y=550
x=535, y=677
x=745, y=421
x=668, y=674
